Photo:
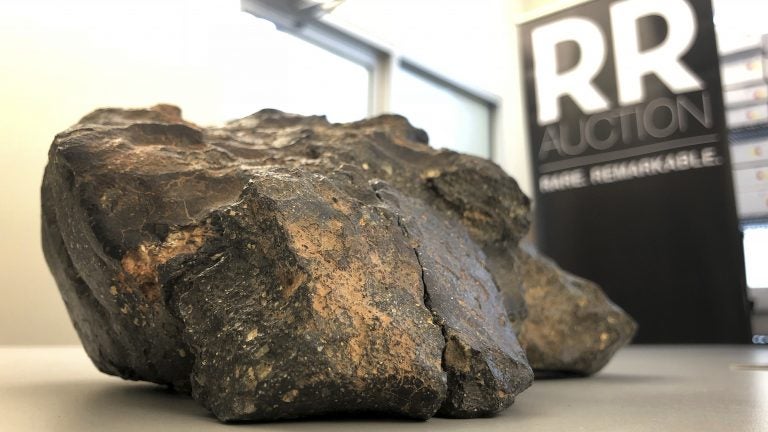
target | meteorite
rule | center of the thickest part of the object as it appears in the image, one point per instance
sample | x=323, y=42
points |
x=282, y=266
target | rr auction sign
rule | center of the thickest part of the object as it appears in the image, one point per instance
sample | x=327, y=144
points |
x=631, y=168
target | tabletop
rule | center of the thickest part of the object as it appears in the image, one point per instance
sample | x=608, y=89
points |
x=644, y=388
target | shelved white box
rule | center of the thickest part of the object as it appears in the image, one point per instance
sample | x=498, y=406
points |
x=750, y=151
x=752, y=204
x=746, y=116
x=746, y=95
x=743, y=70
x=734, y=40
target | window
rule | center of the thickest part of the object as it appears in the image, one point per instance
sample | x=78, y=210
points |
x=455, y=116
x=452, y=118
x=287, y=73
x=257, y=66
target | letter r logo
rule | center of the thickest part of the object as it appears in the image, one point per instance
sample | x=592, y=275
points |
x=632, y=65
x=663, y=60
x=575, y=82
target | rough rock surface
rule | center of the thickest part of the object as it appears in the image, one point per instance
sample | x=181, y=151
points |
x=282, y=266
x=571, y=326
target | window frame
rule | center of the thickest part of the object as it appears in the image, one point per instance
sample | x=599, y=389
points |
x=382, y=61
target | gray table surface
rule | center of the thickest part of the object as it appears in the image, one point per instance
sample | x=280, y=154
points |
x=644, y=388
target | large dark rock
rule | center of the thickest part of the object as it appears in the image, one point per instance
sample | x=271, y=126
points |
x=281, y=266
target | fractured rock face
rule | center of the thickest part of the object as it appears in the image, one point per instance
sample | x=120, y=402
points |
x=571, y=327
x=307, y=302
x=282, y=266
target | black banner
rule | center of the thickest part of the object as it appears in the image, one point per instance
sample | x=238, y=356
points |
x=631, y=168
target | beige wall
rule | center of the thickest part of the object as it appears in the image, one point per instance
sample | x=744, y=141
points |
x=60, y=60
x=57, y=65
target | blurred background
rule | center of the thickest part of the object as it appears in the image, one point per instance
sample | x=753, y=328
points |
x=450, y=66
